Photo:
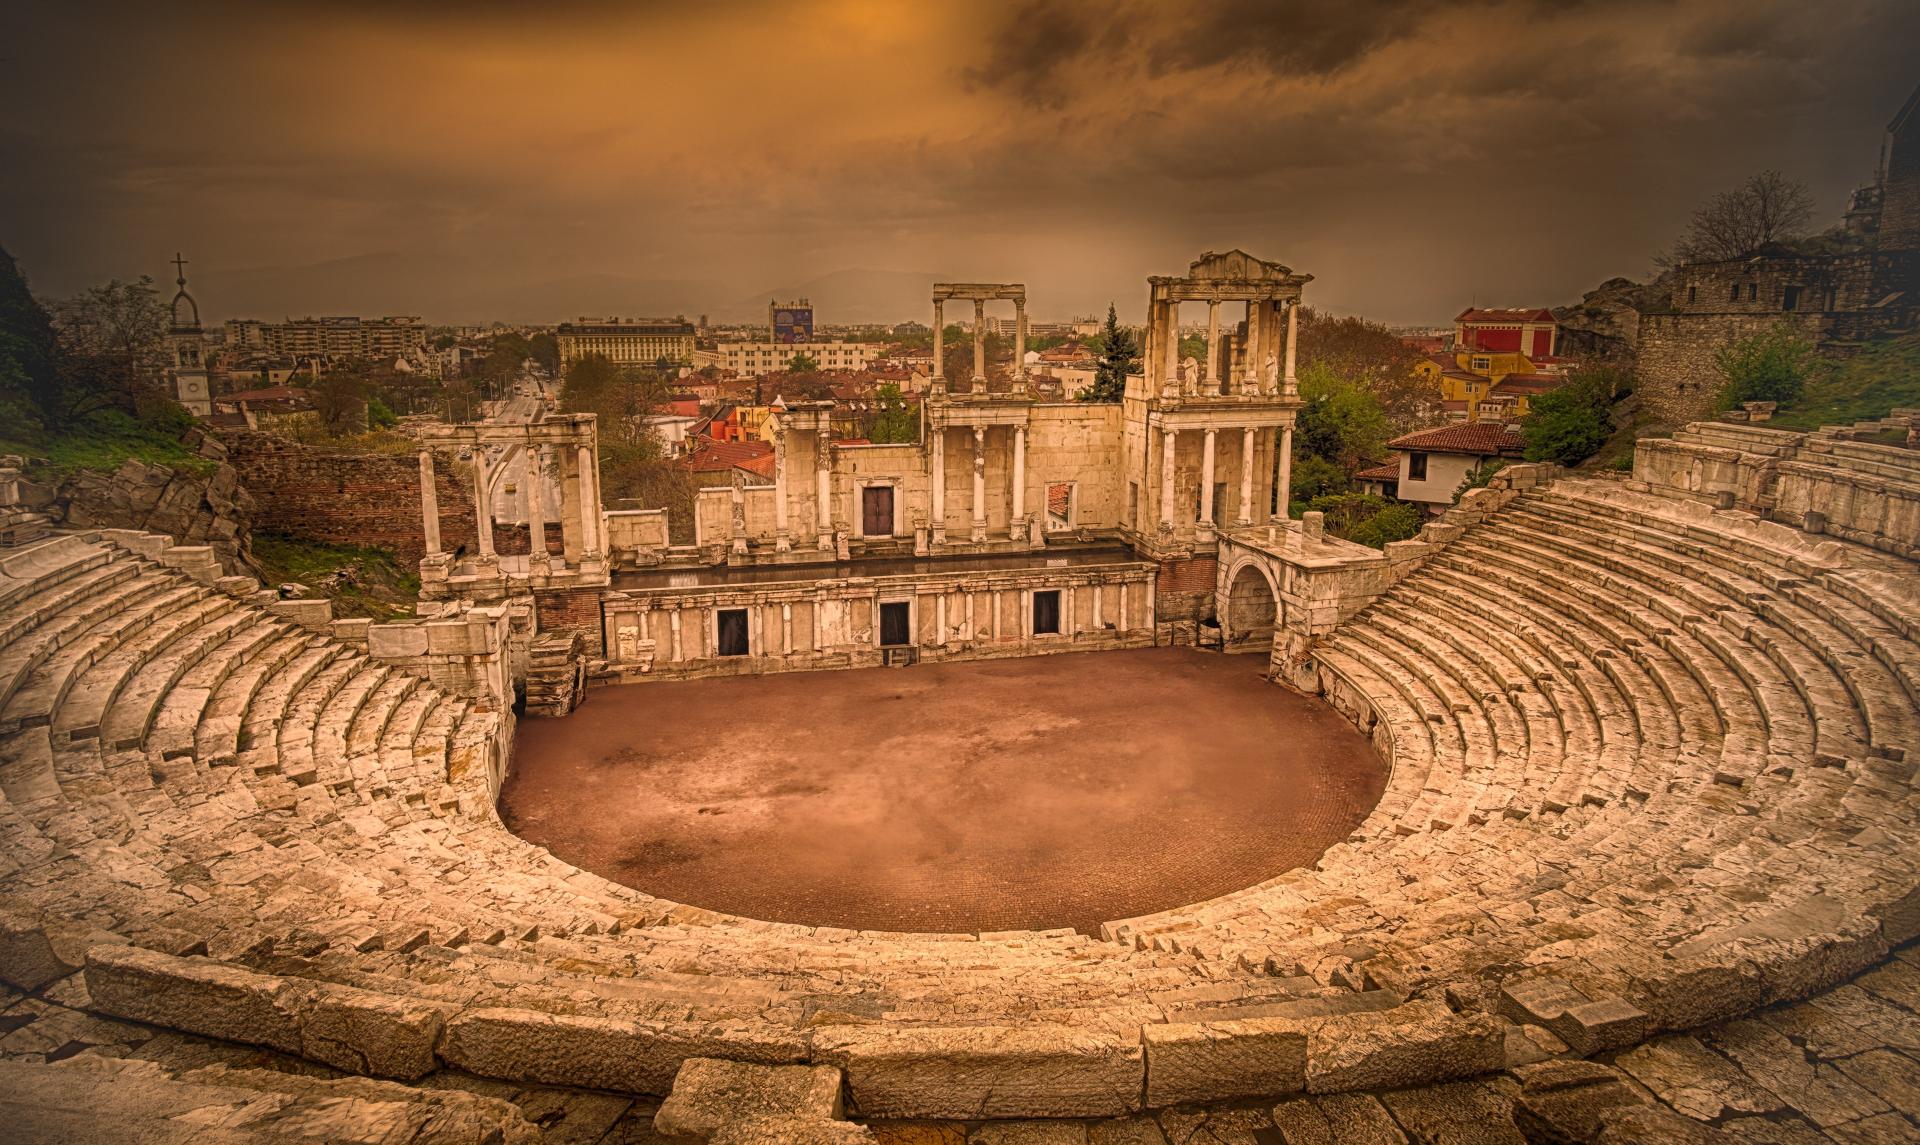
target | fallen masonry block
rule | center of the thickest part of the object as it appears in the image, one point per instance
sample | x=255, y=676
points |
x=985, y=1071
x=601, y=1053
x=1587, y=1025
x=712, y=1093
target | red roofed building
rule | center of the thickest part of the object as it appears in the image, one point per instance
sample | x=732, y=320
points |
x=1433, y=462
x=714, y=463
x=1517, y=330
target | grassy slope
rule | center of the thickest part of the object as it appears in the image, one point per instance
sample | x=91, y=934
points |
x=103, y=442
x=1885, y=374
x=384, y=590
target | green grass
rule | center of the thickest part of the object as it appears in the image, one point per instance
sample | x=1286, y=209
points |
x=1868, y=385
x=105, y=440
x=385, y=591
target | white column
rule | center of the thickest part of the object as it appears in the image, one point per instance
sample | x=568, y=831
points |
x=673, y=624
x=979, y=483
x=1173, y=345
x=1286, y=472
x=780, y=487
x=1213, y=346
x=1098, y=592
x=994, y=602
x=756, y=628
x=939, y=343
x=786, y=629
x=1166, y=476
x=1120, y=621
x=589, y=502
x=979, y=346
x=1019, y=479
x=429, y=504
x=823, y=481
x=1251, y=376
x=482, y=504
x=973, y=630
x=1290, y=385
x=1246, y=476
x=1206, y=480
x=536, y=511
x=1020, y=344
x=940, y=619
x=939, y=521
x=1066, y=612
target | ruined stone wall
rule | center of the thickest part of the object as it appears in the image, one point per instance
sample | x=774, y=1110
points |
x=571, y=610
x=349, y=498
x=1184, y=590
x=1676, y=380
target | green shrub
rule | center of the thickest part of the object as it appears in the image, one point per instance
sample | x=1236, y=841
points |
x=1365, y=518
x=1315, y=476
x=1570, y=424
x=1771, y=366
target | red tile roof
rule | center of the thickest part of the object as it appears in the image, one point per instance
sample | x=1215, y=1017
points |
x=1475, y=438
x=1510, y=314
x=710, y=456
x=1388, y=472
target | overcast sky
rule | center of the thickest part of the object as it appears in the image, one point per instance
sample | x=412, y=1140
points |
x=466, y=161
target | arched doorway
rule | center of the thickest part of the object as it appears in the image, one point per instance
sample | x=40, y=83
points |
x=1252, y=608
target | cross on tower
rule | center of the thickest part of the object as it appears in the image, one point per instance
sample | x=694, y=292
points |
x=180, y=267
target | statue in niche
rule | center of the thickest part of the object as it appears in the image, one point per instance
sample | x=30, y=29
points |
x=1190, y=372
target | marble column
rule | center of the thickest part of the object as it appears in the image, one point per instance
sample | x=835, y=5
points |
x=1098, y=592
x=1019, y=481
x=1213, y=346
x=780, y=542
x=1120, y=619
x=786, y=629
x=1173, y=347
x=1167, y=437
x=537, y=560
x=482, y=503
x=823, y=481
x=939, y=345
x=1250, y=380
x=429, y=504
x=589, y=502
x=1289, y=384
x=1284, y=512
x=1020, y=345
x=940, y=619
x=979, y=483
x=1206, y=480
x=1246, y=476
x=673, y=625
x=939, y=521
x=979, y=346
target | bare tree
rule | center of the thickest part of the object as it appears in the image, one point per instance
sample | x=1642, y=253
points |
x=1768, y=207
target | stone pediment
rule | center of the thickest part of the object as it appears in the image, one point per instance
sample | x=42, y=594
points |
x=1237, y=266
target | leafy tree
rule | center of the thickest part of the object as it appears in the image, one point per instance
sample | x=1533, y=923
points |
x=802, y=363
x=1570, y=424
x=380, y=415
x=1339, y=420
x=1366, y=519
x=1315, y=476
x=1118, y=358
x=1768, y=207
x=1771, y=366
x=30, y=383
x=896, y=422
x=111, y=342
x=545, y=350
x=1372, y=357
x=1478, y=477
x=340, y=400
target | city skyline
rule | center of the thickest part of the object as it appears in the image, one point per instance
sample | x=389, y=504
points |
x=533, y=167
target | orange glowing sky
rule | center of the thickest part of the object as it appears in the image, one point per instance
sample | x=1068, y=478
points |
x=530, y=162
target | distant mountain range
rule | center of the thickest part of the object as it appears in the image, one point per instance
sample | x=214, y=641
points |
x=391, y=283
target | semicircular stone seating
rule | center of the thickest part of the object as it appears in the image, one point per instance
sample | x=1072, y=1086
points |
x=1651, y=766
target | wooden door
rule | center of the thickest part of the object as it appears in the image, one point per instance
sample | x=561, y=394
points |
x=876, y=511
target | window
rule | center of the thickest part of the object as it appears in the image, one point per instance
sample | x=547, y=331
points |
x=1479, y=363
x=1046, y=612
x=1790, y=298
x=1416, y=467
x=1693, y=293
x=1753, y=292
x=1733, y=293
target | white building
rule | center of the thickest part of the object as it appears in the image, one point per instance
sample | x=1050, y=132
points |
x=1433, y=462
x=751, y=359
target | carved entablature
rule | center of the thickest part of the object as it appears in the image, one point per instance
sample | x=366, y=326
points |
x=1234, y=276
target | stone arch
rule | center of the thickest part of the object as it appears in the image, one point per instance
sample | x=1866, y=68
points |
x=1251, y=606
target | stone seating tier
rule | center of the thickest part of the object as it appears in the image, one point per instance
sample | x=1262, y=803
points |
x=1650, y=768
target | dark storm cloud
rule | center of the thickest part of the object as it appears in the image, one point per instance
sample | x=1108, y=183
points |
x=352, y=156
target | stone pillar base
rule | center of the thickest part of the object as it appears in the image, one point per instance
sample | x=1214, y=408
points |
x=782, y=543
x=978, y=534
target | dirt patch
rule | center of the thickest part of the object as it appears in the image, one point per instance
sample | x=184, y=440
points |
x=1039, y=792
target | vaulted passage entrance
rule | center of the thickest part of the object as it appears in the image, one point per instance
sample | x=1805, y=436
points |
x=991, y=795
x=1251, y=609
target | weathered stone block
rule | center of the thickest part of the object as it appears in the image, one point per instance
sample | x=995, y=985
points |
x=1415, y=1044
x=709, y=1093
x=365, y=1032
x=985, y=1071
x=600, y=1053
x=197, y=995
x=1214, y=1061
x=28, y=959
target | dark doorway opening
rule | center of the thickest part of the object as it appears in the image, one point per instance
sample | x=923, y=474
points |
x=1790, y=298
x=876, y=511
x=896, y=623
x=733, y=631
x=1046, y=612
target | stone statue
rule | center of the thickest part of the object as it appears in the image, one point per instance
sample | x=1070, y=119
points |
x=1190, y=372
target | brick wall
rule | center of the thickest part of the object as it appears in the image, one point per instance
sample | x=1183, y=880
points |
x=571, y=610
x=347, y=498
x=1183, y=590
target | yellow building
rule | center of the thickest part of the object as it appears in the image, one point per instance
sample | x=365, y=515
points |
x=1466, y=378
